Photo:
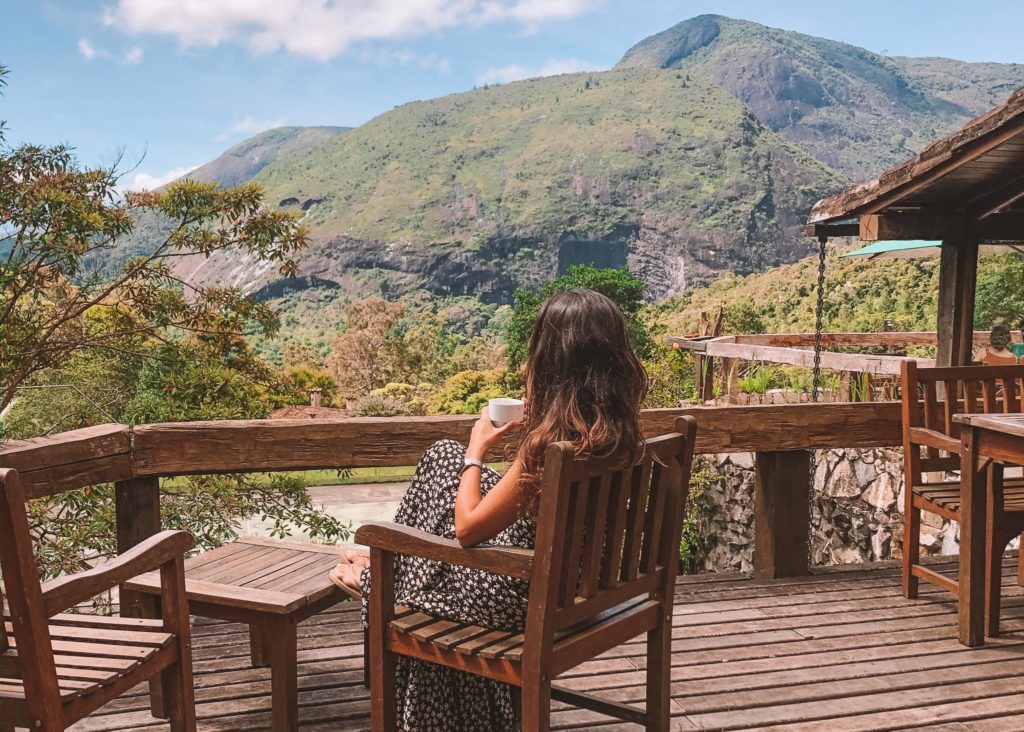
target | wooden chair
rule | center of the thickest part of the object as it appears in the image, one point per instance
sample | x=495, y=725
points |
x=56, y=667
x=602, y=572
x=931, y=444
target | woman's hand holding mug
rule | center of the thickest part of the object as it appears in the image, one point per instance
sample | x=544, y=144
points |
x=486, y=434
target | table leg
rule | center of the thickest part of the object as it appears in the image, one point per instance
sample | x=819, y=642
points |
x=281, y=641
x=971, y=607
x=258, y=648
x=149, y=607
x=996, y=540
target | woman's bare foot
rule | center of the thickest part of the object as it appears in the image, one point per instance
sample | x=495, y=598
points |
x=357, y=558
x=347, y=578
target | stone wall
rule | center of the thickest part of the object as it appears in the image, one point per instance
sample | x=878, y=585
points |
x=856, y=513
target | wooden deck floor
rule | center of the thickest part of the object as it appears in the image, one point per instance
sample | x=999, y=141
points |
x=841, y=650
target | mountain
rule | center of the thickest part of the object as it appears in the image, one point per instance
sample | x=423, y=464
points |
x=482, y=192
x=239, y=164
x=699, y=154
x=854, y=110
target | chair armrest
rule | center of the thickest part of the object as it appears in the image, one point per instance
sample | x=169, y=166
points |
x=934, y=438
x=398, y=539
x=66, y=592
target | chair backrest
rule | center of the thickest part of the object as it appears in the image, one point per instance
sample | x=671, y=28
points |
x=34, y=657
x=608, y=529
x=933, y=396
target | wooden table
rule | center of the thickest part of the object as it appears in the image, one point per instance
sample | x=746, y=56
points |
x=272, y=585
x=983, y=436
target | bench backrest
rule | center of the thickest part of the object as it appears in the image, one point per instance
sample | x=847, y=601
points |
x=933, y=396
x=608, y=529
x=33, y=657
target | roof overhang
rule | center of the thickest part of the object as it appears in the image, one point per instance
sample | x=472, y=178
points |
x=971, y=182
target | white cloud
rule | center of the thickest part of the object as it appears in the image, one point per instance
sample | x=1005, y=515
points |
x=405, y=57
x=87, y=50
x=322, y=28
x=515, y=72
x=133, y=56
x=147, y=182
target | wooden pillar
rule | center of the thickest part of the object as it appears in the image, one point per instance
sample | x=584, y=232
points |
x=958, y=273
x=781, y=513
x=704, y=376
x=137, y=512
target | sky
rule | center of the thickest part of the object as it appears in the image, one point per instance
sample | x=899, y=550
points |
x=171, y=84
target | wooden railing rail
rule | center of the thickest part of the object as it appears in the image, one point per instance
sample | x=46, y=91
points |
x=133, y=458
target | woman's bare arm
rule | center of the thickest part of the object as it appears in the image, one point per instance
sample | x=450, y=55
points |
x=479, y=518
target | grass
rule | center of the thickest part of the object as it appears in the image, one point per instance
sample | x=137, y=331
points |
x=353, y=476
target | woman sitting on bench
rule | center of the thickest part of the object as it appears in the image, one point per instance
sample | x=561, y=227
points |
x=584, y=383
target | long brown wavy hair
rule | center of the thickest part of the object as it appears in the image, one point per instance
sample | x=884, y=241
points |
x=584, y=383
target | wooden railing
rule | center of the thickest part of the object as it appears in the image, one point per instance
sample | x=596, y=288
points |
x=135, y=458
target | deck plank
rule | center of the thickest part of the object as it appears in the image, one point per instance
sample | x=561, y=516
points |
x=839, y=650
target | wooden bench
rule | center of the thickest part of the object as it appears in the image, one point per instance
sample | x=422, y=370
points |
x=603, y=571
x=56, y=667
x=269, y=584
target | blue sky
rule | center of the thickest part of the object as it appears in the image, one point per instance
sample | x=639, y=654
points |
x=173, y=83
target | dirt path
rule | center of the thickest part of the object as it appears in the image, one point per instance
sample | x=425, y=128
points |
x=347, y=503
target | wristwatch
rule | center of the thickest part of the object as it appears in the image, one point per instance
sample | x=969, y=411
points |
x=470, y=463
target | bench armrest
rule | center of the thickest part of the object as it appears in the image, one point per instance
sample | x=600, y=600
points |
x=399, y=539
x=934, y=438
x=66, y=592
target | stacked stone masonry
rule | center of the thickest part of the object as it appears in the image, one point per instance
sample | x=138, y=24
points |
x=856, y=511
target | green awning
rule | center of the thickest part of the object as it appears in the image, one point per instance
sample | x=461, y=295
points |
x=913, y=248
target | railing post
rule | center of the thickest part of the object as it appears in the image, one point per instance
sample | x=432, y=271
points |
x=137, y=513
x=781, y=513
x=704, y=376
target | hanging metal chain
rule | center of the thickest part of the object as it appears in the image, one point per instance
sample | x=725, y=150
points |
x=819, y=315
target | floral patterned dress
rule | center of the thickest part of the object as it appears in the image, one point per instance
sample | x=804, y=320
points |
x=434, y=698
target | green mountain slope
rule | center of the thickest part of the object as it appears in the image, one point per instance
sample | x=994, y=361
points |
x=480, y=192
x=242, y=162
x=859, y=296
x=854, y=110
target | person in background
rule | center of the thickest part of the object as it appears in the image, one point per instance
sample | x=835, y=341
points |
x=997, y=352
x=1017, y=349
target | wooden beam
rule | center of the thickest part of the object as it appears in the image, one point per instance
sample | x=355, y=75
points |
x=1000, y=227
x=771, y=428
x=828, y=340
x=958, y=270
x=70, y=460
x=832, y=230
x=195, y=448
x=727, y=347
x=137, y=512
x=781, y=513
x=993, y=201
x=264, y=445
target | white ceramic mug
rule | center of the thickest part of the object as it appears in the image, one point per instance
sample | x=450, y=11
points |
x=504, y=410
